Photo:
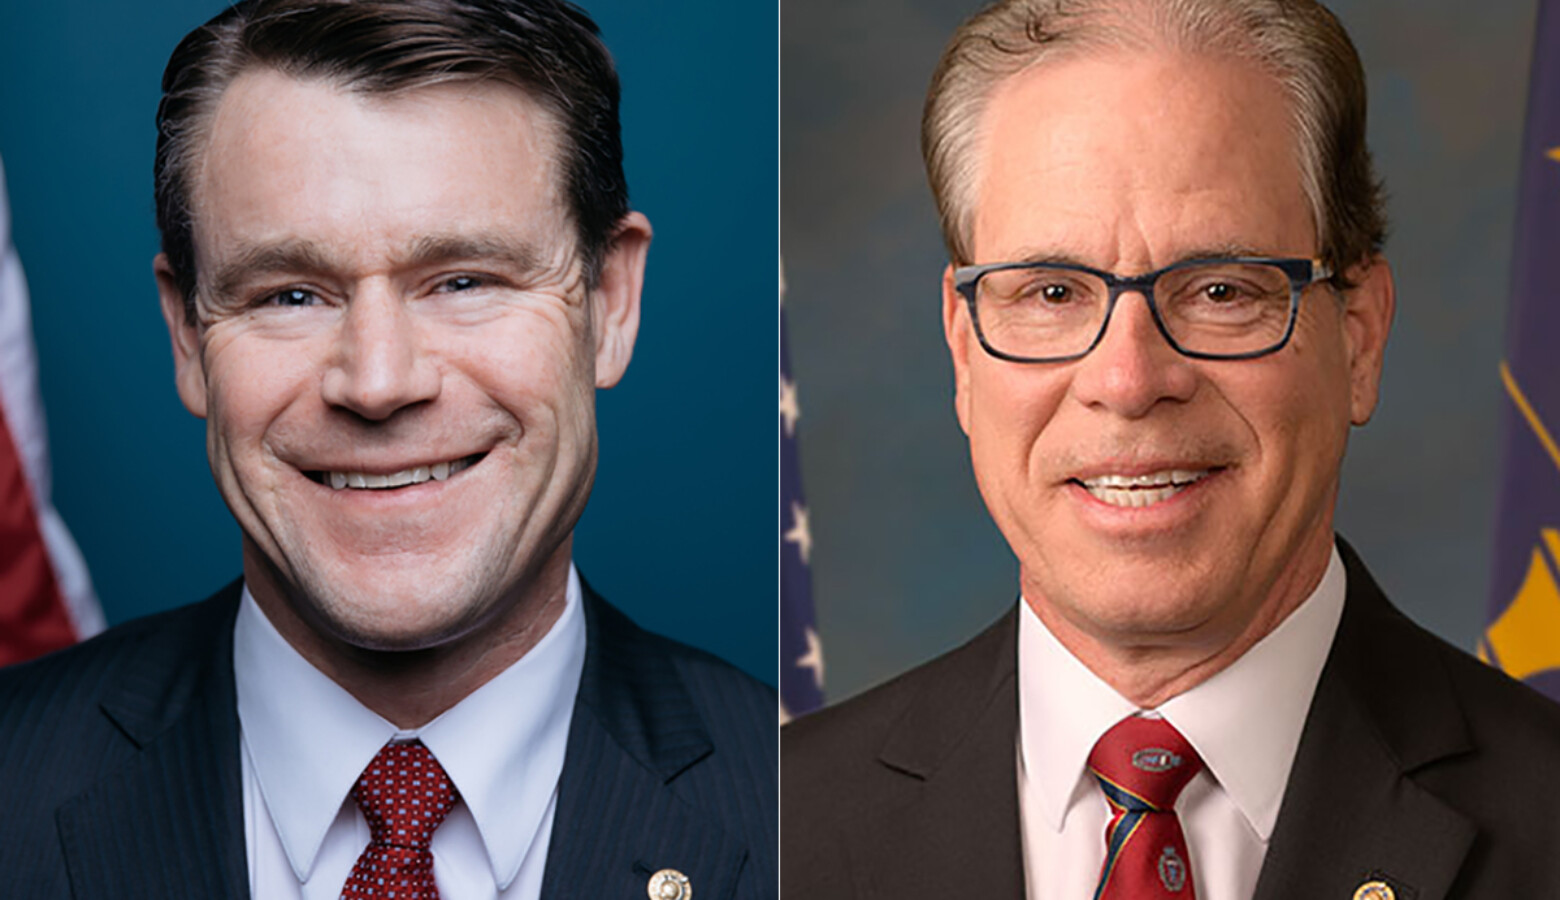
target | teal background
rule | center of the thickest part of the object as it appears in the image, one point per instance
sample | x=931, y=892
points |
x=906, y=563
x=679, y=531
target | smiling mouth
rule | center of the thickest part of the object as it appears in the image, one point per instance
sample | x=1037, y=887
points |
x=372, y=481
x=1142, y=490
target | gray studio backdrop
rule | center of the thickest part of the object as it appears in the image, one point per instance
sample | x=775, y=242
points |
x=905, y=562
x=679, y=531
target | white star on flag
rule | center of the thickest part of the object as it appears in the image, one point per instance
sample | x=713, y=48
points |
x=790, y=410
x=799, y=534
x=814, y=658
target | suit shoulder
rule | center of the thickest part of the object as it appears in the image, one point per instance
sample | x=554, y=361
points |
x=71, y=679
x=736, y=708
x=718, y=685
x=63, y=717
x=1499, y=707
x=856, y=727
x=839, y=744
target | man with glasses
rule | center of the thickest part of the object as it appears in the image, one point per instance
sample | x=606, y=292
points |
x=1166, y=308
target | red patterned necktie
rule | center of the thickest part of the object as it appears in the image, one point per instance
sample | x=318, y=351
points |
x=1142, y=765
x=404, y=795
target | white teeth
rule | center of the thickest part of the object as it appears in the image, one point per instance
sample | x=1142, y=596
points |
x=416, y=475
x=1152, y=479
x=1141, y=490
x=1134, y=498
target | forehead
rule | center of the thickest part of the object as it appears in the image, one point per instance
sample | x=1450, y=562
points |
x=286, y=158
x=1137, y=157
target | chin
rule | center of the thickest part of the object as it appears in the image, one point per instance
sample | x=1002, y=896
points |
x=1155, y=608
x=396, y=614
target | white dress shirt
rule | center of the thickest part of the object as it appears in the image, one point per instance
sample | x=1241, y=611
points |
x=306, y=741
x=1244, y=722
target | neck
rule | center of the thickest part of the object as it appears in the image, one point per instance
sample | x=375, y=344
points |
x=410, y=688
x=1149, y=669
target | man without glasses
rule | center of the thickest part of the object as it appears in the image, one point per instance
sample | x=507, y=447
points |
x=1166, y=307
x=397, y=263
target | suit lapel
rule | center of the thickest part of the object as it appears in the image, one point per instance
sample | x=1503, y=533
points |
x=1352, y=812
x=168, y=822
x=956, y=833
x=621, y=815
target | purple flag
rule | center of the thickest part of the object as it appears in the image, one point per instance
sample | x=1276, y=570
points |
x=1523, y=637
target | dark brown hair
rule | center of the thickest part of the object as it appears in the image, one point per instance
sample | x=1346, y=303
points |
x=550, y=49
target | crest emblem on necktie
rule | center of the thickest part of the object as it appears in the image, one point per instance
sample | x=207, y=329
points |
x=1172, y=870
x=1155, y=760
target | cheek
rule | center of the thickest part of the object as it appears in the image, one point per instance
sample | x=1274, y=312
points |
x=1298, y=412
x=1013, y=417
x=251, y=383
x=538, y=368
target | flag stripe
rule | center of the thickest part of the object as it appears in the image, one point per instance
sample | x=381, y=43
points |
x=33, y=620
x=1528, y=413
x=46, y=597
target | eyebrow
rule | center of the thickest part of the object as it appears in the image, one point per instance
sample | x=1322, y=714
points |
x=292, y=255
x=304, y=256
x=1214, y=251
x=437, y=248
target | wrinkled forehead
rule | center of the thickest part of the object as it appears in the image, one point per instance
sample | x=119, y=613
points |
x=1097, y=144
x=265, y=105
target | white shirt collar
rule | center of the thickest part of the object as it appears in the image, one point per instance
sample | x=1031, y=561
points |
x=502, y=746
x=1245, y=721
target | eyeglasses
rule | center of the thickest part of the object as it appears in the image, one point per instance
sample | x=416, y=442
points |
x=1224, y=308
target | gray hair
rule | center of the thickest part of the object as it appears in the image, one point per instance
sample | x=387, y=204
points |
x=1299, y=42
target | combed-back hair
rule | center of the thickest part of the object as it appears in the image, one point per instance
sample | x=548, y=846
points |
x=550, y=49
x=1299, y=42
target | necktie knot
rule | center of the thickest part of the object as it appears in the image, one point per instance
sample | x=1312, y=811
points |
x=1142, y=764
x=404, y=794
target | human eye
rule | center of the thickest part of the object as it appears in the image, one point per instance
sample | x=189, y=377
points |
x=1226, y=292
x=290, y=298
x=1222, y=293
x=1037, y=289
x=1052, y=292
x=455, y=284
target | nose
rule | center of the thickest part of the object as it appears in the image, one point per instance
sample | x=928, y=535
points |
x=1133, y=368
x=378, y=364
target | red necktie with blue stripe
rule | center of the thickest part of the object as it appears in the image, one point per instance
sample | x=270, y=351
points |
x=1142, y=765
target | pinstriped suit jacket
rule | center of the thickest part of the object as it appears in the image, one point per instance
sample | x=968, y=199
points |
x=120, y=775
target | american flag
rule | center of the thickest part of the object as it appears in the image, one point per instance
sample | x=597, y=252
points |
x=46, y=599
x=1524, y=633
x=801, y=653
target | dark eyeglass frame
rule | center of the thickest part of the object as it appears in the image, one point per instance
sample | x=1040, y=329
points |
x=1302, y=274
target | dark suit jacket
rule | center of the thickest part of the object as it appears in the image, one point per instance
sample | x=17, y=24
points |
x=1417, y=765
x=120, y=775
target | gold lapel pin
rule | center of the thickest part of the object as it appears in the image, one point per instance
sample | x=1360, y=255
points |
x=1375, y=890
x=670, y=884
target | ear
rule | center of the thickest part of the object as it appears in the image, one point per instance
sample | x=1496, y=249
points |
x=958, y=331
x=1367, y=319
x=616, y=299
x=189, y=375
